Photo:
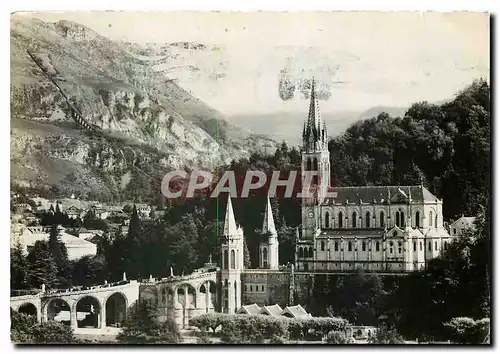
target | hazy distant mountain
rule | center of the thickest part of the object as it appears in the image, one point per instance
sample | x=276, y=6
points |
x=288, y=126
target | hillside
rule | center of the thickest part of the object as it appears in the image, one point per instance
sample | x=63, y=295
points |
x=139, y=119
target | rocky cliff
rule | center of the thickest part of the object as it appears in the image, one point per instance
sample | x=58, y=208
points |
x=89, y=116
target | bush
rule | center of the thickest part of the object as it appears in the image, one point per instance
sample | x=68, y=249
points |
x=256, y=329
x=339, y=337
x=465, y=330
x=385, y=335
x=26, y=330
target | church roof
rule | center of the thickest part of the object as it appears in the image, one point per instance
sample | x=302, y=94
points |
x=268, y=224
x=380, y=194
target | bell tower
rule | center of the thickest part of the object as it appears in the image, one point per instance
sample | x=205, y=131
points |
x=315, y=165
x=232, y=249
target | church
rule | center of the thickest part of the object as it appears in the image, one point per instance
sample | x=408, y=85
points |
x=382, y=229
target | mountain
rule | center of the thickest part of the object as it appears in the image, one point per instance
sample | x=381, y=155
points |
x=82, y=105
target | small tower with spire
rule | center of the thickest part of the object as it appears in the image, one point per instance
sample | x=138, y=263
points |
x=269, y=249
x=232, y=249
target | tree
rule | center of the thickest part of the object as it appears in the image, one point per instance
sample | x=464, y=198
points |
x=143, y=327
x=60, y=254
x=246, y=256
x=42, y=266
x=18, y=268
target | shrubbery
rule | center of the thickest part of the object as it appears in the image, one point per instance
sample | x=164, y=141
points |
x=26, y=330
x=266, y=329
x=339, y=337
x=465, y=330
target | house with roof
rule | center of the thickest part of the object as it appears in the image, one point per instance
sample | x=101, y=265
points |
x=461, y=225
x=272, y=310
x=296, y=311
x=252, y=309
x=75, y=246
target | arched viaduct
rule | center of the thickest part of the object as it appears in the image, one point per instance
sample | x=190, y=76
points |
x=97, y=309
x=102, y=309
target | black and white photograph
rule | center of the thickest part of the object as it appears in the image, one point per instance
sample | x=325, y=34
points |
x=282, y=178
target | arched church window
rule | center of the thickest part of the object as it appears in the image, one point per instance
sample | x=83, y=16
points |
x=311, y=254
x=399, y=247
x=349, y=246
x=315, y=164
x=341, y=220
x=377, y=246
x=367, y=219
x=336, y=246
x=430, y=218
x=397, y=219
x=225, y=260
x=322, y=245
x=436, y=223
x=308, y=166
x=414, y=246
x=382, y=219
x=233, y=260
x=417, y=219
x=391, y=245
x=264, y=254
x=327, y=220
x=402, y=217
x=354, y=219
x=301, y=252
x=363, y=246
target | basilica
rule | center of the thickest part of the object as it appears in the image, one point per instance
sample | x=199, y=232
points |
x=383, y=229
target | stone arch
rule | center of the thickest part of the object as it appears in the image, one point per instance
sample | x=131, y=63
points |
x=354, y=219
x=28, y=308
x=398, y=224
x=341, y=220
x=417, y=219
x=167, y=295
x=58, y=310
x=88, y=312
x=149, y=293
x=367, y=219
x=301, y=252
x=186, y=295
x=116, y=309
x=327, y=220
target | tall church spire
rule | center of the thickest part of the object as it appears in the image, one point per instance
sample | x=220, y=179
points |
x=229, y=222
x=268, y=224
x=314, y=134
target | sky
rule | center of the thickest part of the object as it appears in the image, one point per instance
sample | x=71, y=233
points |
x=365, y=59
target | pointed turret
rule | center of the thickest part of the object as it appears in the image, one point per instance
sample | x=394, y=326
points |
x=229, y=222
x=268, y=225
